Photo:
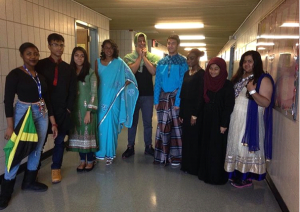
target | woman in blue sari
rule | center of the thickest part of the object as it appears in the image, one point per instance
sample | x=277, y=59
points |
x=117, y=96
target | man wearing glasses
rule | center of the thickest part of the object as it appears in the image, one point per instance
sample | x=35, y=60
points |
x=61, y=82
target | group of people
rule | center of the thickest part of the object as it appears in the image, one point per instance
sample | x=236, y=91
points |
x=194, y=110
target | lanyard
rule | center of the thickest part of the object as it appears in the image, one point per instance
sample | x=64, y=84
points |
x=37, y=81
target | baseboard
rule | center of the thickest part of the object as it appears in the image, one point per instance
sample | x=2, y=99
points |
x=24, y=165
x=276, y=194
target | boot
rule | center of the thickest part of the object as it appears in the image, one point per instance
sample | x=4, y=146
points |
x=7, y=188
x=30, y=183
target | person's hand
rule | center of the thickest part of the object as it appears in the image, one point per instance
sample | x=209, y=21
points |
x=156, y=106
x=180, y=120
x=144, y=52
x=139, y=51
x=223, y=129
x=193, y=121
x=54, y=131
x=8, y=133
x=87, y=117
x=68, y=110
x=250, y=86
x=176, y=107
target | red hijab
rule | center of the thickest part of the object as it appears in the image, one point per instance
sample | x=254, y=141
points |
x=214, y=83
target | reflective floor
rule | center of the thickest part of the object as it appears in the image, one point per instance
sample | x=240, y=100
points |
x=135, y=184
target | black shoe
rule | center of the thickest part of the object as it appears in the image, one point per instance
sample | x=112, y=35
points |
x=7, y=188
x=149, y=150
x=129, y=152
x=30, y=183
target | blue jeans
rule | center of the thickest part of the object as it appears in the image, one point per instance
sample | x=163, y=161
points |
x=145, y=103
x=89, y=157
x=41, y=125
x=58, y=151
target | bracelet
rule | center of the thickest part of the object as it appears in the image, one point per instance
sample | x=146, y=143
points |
x=252, y=92
x=54, y=125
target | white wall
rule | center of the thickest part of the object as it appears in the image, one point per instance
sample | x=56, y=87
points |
x=32, y=21
x=124, y=40
x=284, y=167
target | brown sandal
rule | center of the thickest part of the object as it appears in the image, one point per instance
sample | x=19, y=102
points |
x=81, y=167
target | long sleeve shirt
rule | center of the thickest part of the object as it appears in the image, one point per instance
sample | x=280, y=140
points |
x=169, y=76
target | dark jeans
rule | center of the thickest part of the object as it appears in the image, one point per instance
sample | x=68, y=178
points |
x=58, y=151
x=145, y=103
x=87, y=156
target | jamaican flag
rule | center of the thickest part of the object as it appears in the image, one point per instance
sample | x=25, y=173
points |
x=22, y=142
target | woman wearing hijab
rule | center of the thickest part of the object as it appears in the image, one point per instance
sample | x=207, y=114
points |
x=219, y=103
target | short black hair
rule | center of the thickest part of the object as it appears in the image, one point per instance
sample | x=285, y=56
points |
x=25, y=46
x=55, y=37
x=174, y=37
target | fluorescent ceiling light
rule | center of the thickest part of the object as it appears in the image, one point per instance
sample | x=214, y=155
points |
x=290, y=25
x=261, y=48
x=179, y=26
x=192, y=44
x=189, y=49
x=191, y=37
x=278, y=36
x=265, y=44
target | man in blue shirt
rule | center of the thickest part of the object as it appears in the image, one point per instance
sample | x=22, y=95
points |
x=169, y=76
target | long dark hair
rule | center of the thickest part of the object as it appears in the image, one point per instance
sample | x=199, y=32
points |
x=86, y=65
x=113, y=45
x=257, y=67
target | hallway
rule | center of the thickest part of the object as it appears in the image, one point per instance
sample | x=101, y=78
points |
x=135, y=184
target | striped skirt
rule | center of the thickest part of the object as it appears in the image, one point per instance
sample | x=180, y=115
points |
x=168, y=143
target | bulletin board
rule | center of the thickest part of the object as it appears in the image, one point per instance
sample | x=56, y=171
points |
x=278, y=45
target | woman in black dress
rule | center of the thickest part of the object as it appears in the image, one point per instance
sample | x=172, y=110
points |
x=191, y=112
x=219, y=103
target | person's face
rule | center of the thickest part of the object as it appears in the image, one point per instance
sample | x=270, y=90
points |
x=108, y=50
x=248, y=64
x=30, y=56
x=141, y=43
x=192, y=60
x=214, y=70
x=172, y=46
x=56, y=48
x=79, y=58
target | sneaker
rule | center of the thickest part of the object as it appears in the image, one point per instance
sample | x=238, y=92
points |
x=175, y=165
x=149, y=150
x=129, y=152
x=241, y=184
x=56, y=176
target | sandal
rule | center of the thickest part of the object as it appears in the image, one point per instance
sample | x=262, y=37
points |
x=81, y=167
x=89, y=167
x=109, y=161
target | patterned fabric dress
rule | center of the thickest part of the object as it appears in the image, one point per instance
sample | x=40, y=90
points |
x=116, y=104
x=238, y=158
x=83, y=137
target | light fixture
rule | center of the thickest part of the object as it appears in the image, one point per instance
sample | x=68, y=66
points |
x=290, y=24
x=261, y=48
x=265, y=44
x=189, y=49
x=191, y=37
x=278, y=36
x=179, y=26
x=192, y=44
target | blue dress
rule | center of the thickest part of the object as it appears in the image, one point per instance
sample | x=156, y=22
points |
x=116, y=103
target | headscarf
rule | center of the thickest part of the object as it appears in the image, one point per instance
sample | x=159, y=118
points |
x=214, y=83
x=131, y=58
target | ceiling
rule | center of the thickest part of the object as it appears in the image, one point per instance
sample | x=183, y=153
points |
x=221, y=18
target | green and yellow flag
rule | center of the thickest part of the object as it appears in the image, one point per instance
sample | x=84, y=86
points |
x=22, y=142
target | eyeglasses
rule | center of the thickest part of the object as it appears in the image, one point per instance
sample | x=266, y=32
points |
x=55, y=45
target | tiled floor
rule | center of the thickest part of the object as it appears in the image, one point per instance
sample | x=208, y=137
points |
x=135, y=184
